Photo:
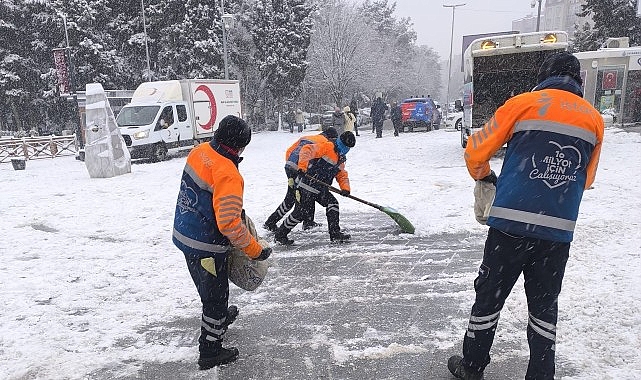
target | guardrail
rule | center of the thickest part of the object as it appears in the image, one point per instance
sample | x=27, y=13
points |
x=32, y=148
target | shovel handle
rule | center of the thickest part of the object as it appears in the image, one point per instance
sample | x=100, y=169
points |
x=338, y=191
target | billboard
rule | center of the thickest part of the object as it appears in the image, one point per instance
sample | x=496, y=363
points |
x=61, y=65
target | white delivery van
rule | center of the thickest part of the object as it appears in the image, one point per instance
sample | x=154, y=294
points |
x=176, y=114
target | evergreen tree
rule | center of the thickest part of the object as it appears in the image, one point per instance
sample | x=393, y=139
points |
x=585, y=38
x=127, y=31
x=26, y=74
x=612, y=18
x=281, y=30
x=93, y=48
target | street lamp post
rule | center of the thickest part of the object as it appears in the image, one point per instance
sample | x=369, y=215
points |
x=449, y=64
x=227, y=23
x=144, y=27
x=72, y=82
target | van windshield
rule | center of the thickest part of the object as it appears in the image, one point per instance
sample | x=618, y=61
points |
x=137, y=115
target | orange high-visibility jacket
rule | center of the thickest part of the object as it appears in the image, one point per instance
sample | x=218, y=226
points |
x=553, y=146
x=210, y=203
x=293, y=152
x=322, y=161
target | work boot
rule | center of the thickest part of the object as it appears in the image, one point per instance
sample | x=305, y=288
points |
x=456, y=367
x=339, y=237
x=223, y=356
x=272, y=227
x=232, y=314
x=281, y=236
x=308, y=225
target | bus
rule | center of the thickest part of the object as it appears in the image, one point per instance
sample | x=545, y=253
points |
x=499, y=67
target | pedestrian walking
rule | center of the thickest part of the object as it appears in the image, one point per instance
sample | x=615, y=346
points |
x=207, y=224
x=396, y=116
x=378, y=115
x=338, y=120
x=350, y=119
x=554, y=140
x=300, y=120
x=353, y=107
x=319, y=162
x=291, y=170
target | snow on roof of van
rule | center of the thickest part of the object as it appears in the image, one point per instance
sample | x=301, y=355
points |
x=157, y=92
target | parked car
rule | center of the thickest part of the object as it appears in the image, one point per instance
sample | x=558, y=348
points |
x=364, y=116
x=419, y=113
x=327, y=119
x=438, y=116
x=454, y=120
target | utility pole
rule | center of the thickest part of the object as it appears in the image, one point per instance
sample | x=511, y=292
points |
x=538, y=17
x=144, y=27
x=72, y=82
x=449, y=64
x=222, y=15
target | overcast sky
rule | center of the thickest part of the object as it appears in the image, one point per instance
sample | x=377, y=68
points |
x=433, y=22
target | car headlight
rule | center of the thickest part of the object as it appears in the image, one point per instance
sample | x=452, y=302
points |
x=141, y=135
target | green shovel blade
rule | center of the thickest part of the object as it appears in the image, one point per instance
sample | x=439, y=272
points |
x=406, y=225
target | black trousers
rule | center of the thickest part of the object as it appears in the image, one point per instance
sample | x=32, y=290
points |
x=378, y=126
x=289, y=201
x=305, y=206
x=397, y=126
x=213, y=289
x=542, y=263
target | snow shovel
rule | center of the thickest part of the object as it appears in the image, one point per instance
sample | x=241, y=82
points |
x=406, y=225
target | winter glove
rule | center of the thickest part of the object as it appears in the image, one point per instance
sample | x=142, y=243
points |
x=484, y=192
x=344, y=192
x=301, y=173
x=490, y=178
x=266, y=252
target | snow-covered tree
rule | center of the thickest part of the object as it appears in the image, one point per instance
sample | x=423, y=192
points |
x=341, y=51
x=281, y=31
x=93, y=48
x=612, y=18
x=403, y=69
x=586, y=38
x=189, y=39
x=28, y=31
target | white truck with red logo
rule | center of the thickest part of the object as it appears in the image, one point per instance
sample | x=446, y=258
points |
x=176, y=114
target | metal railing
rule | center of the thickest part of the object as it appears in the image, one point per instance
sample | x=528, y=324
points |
x=31, y=148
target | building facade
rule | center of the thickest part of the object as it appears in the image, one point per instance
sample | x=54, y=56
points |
x=527, y=24
x=555, y=15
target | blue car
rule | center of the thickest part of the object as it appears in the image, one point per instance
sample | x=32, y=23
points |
x=419, y=113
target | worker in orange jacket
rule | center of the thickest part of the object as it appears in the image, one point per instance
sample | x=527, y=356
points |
x=291, y=168
x=207, y=224
x=318, y=163
x=554, y=140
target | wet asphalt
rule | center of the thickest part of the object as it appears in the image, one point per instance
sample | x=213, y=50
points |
x=386, y=306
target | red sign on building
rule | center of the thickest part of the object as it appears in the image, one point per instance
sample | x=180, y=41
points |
x=62, y=70
x=609, y=81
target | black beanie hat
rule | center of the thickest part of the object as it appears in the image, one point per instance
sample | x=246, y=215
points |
x=348, y=139
x=330, y=133
x=233, y=132
x=560, y=64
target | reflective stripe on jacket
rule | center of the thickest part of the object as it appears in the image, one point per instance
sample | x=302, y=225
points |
x=553, y=146
x=210, y=203
x=322, y=162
